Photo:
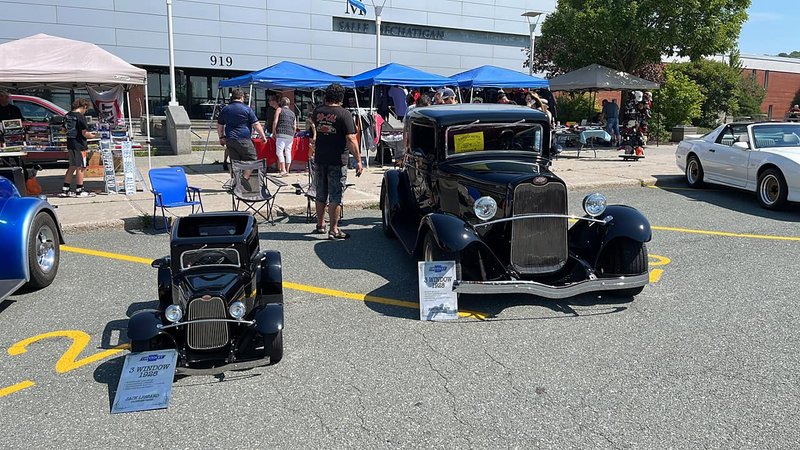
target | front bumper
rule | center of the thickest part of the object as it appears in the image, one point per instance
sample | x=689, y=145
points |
x=552, y=292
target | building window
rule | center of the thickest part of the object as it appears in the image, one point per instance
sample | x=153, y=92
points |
x=766, y=79
x=769, y=113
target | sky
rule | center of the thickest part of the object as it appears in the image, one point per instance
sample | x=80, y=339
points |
x=772, y=28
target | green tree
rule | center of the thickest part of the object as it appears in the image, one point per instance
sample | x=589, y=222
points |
x=750, y=95
x=629, y=35
x=719, y=83
x=796, y=99
x=679, y=99
x=574, y=107
x=794, y=54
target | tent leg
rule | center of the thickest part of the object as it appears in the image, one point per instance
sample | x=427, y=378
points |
x=210, y=124
x=250, y=95
x=147, y=118
x=363, y=148
x=471, y=93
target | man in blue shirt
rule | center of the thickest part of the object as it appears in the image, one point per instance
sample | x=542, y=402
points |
x=235, y=128
x=611, y=113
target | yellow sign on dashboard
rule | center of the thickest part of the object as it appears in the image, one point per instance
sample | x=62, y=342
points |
x=468, y=142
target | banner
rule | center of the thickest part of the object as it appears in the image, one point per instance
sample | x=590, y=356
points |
x=108, y=105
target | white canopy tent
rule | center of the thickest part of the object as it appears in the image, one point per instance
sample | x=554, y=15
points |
x=49, y=61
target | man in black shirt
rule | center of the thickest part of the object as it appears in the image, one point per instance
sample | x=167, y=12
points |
x=7, y=110
x=336, y=134
x=77, y=135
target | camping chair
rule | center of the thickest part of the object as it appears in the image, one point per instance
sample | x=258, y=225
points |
x=171, y=189
x=309, y=189
x=254, y=190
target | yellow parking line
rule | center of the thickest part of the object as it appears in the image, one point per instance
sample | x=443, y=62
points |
x=655, y=275
x=727, y=234
x=286, y=284
x=16, y=387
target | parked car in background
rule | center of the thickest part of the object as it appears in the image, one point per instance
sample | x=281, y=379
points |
x=476, y=189
x=761, y=157
x=30, y=239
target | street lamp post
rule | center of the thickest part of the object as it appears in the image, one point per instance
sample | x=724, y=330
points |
x=378, y=11
x=530, y=16
x=172, y=97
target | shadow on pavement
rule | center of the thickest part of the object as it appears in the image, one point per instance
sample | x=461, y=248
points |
x=729, y=198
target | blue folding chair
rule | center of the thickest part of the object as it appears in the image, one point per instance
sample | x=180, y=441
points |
x=171, y=189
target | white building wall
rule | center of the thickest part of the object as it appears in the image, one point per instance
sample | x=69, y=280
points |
x=258, y=33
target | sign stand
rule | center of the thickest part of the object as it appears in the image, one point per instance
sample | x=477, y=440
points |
x=437, y=299
x=146, y=381
x=129, y=168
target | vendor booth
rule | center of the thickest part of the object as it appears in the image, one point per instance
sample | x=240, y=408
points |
x=497, y=77
x=43, y=61
x=283, y=75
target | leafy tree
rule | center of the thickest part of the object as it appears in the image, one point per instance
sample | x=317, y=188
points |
x=629, y=35
x=719, y=83
x=750, y=95
x=794, y=54
x=574, y=107
x=679, y=99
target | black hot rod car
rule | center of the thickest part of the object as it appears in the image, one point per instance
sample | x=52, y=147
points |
x=220, y=297
x=476, y=189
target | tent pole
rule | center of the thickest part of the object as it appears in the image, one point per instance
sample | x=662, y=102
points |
x=147, y=118
x=130, y=114
x=458, y=89
x=471, y=93
x=210, y=124
x=250, y=95
x=358, y=128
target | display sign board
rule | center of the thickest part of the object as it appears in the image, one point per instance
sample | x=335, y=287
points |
x=437, y=299
x=109, y=178
x=129, y=168
x=146, y=381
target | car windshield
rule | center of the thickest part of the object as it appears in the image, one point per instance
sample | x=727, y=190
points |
x=777, y=135
x=519, y=136
x=210, y=257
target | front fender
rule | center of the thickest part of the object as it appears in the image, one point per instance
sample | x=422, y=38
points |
x=15, y=224
x=588, y=239
x=269, y=320
x=271, y=273
x=451, y=233
x=143, y=325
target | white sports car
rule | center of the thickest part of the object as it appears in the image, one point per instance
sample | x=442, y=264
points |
x=759, y=157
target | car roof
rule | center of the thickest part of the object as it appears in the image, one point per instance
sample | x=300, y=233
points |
x=38, y=100
x=470, y=112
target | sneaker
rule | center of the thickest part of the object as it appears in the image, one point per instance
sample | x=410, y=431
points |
x=84, y=194
x=66, y=194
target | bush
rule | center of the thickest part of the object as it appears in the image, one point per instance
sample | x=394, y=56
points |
x=679, y=99
x=574, y=107
x=750, y=96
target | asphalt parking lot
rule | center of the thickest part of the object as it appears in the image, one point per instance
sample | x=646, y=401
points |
x=706, y=356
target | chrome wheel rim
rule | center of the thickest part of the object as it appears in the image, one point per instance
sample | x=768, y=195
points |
x=692, y=171
x=45, y=249
x=770, y=189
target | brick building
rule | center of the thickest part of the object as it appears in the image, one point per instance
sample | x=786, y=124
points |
x=779, y=76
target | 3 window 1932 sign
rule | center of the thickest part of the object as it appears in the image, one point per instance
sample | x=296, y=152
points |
x=220, y=60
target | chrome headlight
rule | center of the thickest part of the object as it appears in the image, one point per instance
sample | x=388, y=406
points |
x=485, y=208
x=594, y=204
x=237, y=310
x=173, y=313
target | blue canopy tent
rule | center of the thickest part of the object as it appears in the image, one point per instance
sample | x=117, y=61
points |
x=498, y=77
x=283, y=75
x=400, y=75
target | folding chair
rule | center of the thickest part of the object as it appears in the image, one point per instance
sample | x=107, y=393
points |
x=309, y=189
x=171, y=189
x=253, y=190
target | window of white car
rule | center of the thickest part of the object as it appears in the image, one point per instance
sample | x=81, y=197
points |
x=776, y=135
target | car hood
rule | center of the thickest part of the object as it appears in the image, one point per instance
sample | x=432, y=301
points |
x=499, y=171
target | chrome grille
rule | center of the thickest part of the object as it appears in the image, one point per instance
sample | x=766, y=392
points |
x=207, y=335
x=539, y=245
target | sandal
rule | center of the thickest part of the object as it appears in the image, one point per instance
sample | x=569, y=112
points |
x=338, y=235
x=319, y=230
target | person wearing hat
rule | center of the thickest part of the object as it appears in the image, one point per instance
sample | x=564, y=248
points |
x=448, y=97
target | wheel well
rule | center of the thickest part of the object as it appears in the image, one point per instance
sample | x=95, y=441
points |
x=690, y=155
x=55, y=220
x=763, y=168
x=424, y=230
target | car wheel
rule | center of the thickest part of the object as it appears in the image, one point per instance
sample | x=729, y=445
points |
x=694, y=172
x=432, y=252
x=386, y=213
x=273, y=346
x=43, y=251
x=624, y=257
x=772, y=189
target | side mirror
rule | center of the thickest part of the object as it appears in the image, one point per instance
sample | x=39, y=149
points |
x=741, y=145
x=161, y=262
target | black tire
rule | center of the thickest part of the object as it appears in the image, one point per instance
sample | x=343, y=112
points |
x=772, y=190
x=387, y=230
x=432, y=252
x=44, y=251
x=624, y=257
x=694, y=172
x=273, y=347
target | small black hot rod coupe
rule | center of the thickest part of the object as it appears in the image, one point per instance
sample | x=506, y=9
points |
x=476, y=189
x=220, y=297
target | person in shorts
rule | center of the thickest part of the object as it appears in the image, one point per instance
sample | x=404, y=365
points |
x=336, y=135
x=77, y=142
x=283, y=125
x=235, y=128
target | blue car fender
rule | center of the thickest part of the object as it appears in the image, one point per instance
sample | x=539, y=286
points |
x=16, y=216
x=450, y=232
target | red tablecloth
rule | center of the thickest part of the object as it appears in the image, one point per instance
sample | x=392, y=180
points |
x=266, y=150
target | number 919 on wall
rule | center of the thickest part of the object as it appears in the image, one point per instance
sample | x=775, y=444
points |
x=221, y=61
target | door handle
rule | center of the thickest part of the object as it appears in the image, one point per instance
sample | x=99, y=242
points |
x=711, y=150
